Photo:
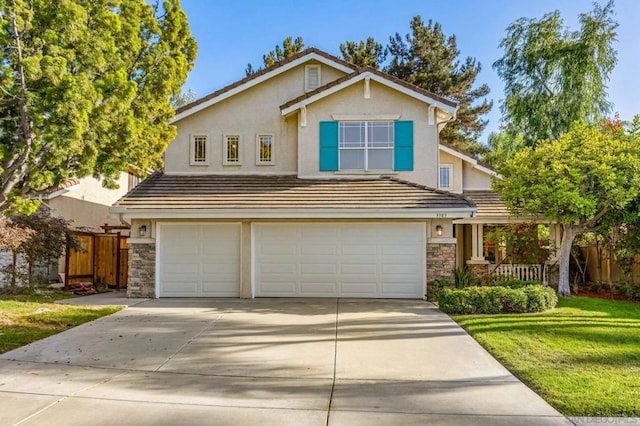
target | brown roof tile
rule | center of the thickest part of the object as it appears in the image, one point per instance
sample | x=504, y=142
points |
x=285, y=192
x=488, y=203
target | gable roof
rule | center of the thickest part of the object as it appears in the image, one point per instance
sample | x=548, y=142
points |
x=262, y=75
x=375, y=75
x=468, y=157
x=236, y=196
x=488, y=203
x=354, y=74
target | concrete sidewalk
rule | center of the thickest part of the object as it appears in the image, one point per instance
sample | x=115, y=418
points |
x=265, y=361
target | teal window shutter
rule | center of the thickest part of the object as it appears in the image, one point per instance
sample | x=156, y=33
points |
x=328, y=146
x=403, y=146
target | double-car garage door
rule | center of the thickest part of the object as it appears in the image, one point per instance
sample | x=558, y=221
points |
x=305, y=259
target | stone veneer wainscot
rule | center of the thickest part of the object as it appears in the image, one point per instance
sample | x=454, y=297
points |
x=142, y=270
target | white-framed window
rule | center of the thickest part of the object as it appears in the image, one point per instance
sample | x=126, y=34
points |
x=265, y=149
x=199, y=150
x=366, y=145
x=231, y=150
x=444, y=177
x=312, y=77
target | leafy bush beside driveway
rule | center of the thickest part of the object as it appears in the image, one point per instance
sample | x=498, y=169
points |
x=497, y=299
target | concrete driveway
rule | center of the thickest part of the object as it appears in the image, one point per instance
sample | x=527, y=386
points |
x=265, y=361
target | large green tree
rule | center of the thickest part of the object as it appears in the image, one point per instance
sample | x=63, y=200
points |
x=85, y=89
x=367, y=53
x=575, y=181
x=555, y=77
x=429, y=59
x=289, y=48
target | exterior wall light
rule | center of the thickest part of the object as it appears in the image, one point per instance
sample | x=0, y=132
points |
x=439, y=230
x=142, y=231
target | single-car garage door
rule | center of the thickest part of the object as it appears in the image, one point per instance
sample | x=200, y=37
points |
x=368, y=260
x=199, y=260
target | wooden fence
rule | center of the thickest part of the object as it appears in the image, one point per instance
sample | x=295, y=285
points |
x=101, y=258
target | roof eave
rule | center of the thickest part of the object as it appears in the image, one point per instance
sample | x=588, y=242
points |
x=357, y=77
x=406, y=213
x=255, y=81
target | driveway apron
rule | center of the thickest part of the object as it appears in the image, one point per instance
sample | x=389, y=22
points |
x=265, y=361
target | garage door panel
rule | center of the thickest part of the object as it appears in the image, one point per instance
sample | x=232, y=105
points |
x=318, y=268
x=318, y=289
x=359, y=268
x=199, y=260
x=273, y=250
x=340, y=259
x=358, y=250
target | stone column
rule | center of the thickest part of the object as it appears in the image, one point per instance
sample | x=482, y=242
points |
x=142, y=269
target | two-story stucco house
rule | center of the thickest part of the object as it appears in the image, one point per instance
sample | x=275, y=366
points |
x=312, y=178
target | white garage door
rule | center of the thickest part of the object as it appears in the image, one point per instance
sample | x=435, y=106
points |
x=368, y=260
x=199, y=260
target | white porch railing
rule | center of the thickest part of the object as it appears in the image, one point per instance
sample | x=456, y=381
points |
x=521, y=271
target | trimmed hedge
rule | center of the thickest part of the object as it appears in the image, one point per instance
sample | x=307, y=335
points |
x=496, y=300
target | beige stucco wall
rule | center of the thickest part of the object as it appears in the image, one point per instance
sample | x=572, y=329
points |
x=383, y=100
x=88, y=203
x=474, y=179
x=456, y=170
x=247, y=114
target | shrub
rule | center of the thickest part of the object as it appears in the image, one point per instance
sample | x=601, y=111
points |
x=632, y=290
x=435, y=287
x=497, y=299
x=510, y=282
x=463, y=277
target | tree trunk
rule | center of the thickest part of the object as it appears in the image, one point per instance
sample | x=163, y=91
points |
x=568, y=233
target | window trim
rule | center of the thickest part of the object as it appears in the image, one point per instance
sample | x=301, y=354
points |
x=225, y=142
x=366, y=147
x=273, y=149
x=450, y=168
x=306, y=76
x=192, y=149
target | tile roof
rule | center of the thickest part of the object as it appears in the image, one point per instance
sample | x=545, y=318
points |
x=237, y=192
x=263, y=72
x=362, y=70
x=488, y=203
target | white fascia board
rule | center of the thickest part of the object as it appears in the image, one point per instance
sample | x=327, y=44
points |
x=319, y=214
x=497, y=220
x=470, y=160
x=61, y=192
x=258, y=80
x=386, y=82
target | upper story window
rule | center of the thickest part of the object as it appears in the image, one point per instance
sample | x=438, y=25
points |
x=264, y=149
x=199, y=150
x=231, y=153
x=444, y=177
x=312, y=77
x=366, y=145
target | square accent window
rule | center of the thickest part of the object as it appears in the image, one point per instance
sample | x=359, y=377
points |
x=366, y=145
x=231, y=146
x=312, y=77
x=444, y=177
x=199, y=150
x=264, y=149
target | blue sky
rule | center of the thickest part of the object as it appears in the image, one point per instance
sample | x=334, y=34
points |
x=231, y=34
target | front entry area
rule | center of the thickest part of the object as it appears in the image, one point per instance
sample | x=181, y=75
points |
x=347, y=259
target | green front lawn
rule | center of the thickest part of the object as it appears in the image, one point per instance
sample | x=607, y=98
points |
x=582, y=357
x=25, y=318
